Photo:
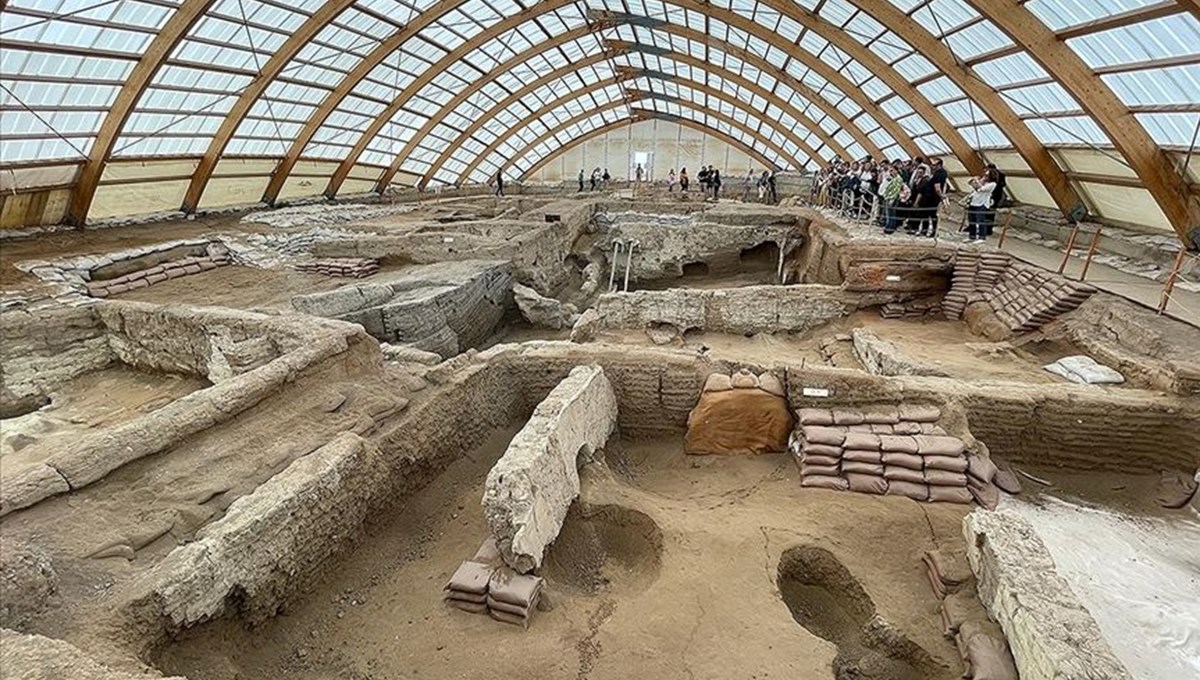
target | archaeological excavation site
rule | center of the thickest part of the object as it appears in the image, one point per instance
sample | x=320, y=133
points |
x=599, y=340
x=597, y=437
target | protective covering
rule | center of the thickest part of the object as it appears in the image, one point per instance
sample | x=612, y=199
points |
x=349, y=95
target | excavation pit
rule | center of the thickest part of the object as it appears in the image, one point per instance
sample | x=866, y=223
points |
x=306, y=527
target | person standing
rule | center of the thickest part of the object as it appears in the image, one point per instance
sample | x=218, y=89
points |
x=892, y=189
x=747, y=183
x=580, y=179
x=980, y=204
x=595, y=178
x=702, y=177
x=499, y=180
x=604, y=179
x=639, y=173
x=773, y=187
x=714, y=180
x=997, y=196
x=763, y=181
x=671, y=180
x=941, y=183
x=683, y=180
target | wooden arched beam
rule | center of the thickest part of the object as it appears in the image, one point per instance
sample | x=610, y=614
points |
x=624, y=47
x=700, y=87
x=908, y=29
x=638, y=111
x=639, y=116
x=377, y=125
x=653, y=74
x=1152, y=166
x=246, y=100
x=478, y=123
x=173, y=31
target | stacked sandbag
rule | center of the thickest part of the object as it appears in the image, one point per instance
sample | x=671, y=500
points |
x=885, y=451
x=913, y=309
x=341, y=267
x=485, y=585
x=156, y=274
x=1030, y=297
x=980, y=642
x=512, y=597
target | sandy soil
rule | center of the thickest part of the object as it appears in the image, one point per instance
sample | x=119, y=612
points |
x=240, y=288
x=659, y=573
x=91, y=402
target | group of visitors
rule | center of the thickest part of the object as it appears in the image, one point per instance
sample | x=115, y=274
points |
x=598, y=180
x=710, y=181
x=908, y=194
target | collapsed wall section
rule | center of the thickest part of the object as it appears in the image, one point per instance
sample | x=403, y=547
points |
x=1051, y=634
x=530, y=488
x=44, y=349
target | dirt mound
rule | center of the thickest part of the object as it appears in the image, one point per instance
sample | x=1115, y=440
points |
x=605, y=548
x=828, y=600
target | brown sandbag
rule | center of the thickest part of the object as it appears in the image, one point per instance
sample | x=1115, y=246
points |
x=1007, y=481
x=519, y=589
x=907, y=460
x=893, y=473
x=830, y=436
x=815, y=416
x=948, y=463
x=473, y=598
x=717, y=382
x=873, y=457
x=508, y=618
x=883, y=416
x=862, y=468
x=919, y=413
x=939, y=590
x=860, y=427
x=876, y=428
x=820, y=461
x=768, y=383
x=934, y=430
x=808, y=448
x=961, y=607
x=987, y=497
x=990, y=659
x=863, y=441
x=808, y=470
x=843, y=416
x=935, y=477
x=950, y=494
x=907, y=428
x=872, y=484
x=949, y=571
x=738, y=422
x=470, y=577
x=981, y=469
x=472, y=607
x=917, y=492
x=898, y=443
x=823, y=482
x=509, y=608
x=932, y=445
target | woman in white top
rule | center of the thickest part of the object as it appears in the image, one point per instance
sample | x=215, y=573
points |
x=672, y=180
x=979, y=205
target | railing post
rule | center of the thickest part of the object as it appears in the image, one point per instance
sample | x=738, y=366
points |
x=1169, y=286
x=1070, y=245
x=1004, y=230
x=1091, y=253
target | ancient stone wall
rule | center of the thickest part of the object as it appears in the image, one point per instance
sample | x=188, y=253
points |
x=529, y=490
x=1051, y=635
x=443, y=308
x=748, y=310
x=881, y=357
x=831, y=257
x=44, y=349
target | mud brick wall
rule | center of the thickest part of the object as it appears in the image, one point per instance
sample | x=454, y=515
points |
x=748, y=310
x=830, y=257
x=663, y=249
x=1075, y=428
x=45, y=349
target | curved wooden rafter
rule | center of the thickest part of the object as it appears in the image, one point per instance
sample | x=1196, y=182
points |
x=893, y=129
x=692, y=84
x=699, y=87
x=639, y=116
x=307, y=31
x=156, y=54
x=1153, y=167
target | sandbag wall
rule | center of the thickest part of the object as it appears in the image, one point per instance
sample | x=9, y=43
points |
x=341, y=267
x=1022, y=296
x=171, y=269
x=889, y=451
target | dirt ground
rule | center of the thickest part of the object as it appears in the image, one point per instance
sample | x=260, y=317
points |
x=661, y=569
